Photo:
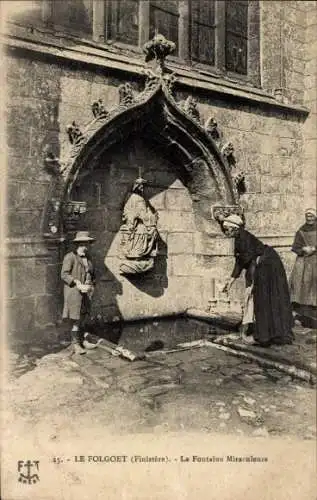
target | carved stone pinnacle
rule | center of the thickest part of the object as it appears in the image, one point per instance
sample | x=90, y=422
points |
x=158, y=48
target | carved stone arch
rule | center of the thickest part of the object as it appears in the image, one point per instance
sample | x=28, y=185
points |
x=157, y=117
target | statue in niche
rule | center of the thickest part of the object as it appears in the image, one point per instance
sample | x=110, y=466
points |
x=139, y=236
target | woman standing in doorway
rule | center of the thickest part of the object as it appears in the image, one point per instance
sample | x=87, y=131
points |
x=303, y=281
x=267, y=308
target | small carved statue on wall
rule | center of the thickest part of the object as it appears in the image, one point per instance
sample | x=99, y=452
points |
x=211, y=127
x=139, y=234
x=98, y=109
x=74, y=133
x=126, y=96
x=190, y=106
x=228, y=152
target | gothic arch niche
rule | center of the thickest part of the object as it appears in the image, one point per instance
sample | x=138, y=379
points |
x=189, y=171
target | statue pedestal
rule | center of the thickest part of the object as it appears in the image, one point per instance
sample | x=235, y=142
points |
x=135, y=266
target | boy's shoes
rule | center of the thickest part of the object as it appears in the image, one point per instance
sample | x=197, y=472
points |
x=88, y=345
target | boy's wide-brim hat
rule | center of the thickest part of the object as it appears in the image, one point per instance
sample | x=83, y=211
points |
x=82, y=237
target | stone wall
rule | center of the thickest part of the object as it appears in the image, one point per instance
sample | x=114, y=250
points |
x=275, y=146
x=310, y=100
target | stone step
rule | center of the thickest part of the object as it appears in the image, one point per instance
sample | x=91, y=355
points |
x=229, y=321
x=288, y=355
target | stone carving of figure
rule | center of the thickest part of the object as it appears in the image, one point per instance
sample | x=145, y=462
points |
x=139, y=234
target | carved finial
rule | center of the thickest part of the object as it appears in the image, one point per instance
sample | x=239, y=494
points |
x=98, y=109
x=189, y=106
x=158, y=48
x=228, y=152
x=126, y=96
x=74, y=133
x=211, y=127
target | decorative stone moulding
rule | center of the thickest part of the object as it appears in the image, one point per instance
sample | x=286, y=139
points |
x=176, y=125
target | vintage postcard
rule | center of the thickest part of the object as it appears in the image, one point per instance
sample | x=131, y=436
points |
x=159, y=249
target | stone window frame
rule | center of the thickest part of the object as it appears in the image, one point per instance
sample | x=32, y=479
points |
x=253, y=76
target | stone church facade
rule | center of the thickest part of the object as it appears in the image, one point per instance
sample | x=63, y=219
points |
x=224, y=120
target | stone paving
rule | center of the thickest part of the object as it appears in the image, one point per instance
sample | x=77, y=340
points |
x=200, y=389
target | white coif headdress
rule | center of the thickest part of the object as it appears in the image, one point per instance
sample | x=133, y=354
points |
x=233, y=220
x=311, y=211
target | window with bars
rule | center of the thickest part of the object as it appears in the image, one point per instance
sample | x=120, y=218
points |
x=219, y=35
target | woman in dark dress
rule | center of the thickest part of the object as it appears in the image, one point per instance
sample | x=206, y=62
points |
x=267, y=306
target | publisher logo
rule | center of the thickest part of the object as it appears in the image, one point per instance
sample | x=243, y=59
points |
x=28, y=471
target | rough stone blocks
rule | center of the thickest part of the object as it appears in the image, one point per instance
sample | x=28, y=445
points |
x=180, y=243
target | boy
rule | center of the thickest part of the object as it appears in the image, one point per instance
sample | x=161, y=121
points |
x=79, y=279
